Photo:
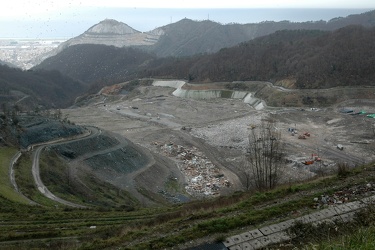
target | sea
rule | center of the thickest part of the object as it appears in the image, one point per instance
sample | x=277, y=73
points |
x=67, y=25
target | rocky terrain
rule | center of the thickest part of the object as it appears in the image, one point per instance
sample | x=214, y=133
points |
x=111, y=33
x=161, y=146
x=151, y=147
x=207, y=138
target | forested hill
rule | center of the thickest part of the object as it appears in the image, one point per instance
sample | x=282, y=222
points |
x=302, y=58
x=98, y=64
x=188, y=37
x=8, y=64
x=293, y=58
x=30, y=89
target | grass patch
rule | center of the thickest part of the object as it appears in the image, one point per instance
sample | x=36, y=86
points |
x=356, y=234
x=83, y=188
x=6, y=187
x=361, y=239
x=25, y=181
x=168, y=225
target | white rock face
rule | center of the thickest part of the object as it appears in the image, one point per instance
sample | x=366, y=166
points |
x=110, y=26
x=111, y=33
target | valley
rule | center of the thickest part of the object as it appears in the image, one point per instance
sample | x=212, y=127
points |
x=212, y=133
x=189, y=136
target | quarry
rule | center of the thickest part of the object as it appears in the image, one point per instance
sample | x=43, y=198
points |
x=193, y=135
x=202, y=132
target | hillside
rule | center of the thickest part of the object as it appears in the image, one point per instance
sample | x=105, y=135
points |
x=31, y=89
x=187, y=37
x=7, y=64
x=98, y=64
x=296, y=59
x=291, y=58
x=197, y=189
x=107, y=32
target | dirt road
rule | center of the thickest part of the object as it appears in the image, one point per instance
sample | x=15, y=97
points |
x=41, y=187
x=13, y=178
x=36, y=170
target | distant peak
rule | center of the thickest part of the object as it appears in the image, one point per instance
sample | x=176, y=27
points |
x=111, y=26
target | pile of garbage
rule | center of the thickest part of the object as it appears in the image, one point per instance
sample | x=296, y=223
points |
x=203, y=178
x=345, y=195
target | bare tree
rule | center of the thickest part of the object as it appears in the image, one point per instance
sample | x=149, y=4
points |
x=264, y=157
x=246, y=172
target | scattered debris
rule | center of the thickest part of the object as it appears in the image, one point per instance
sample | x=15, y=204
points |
x=346, y=111
x=202, y=176
x=346, y=195
x=292, y=131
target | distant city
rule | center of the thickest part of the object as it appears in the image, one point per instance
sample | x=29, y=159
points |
x=21, y=52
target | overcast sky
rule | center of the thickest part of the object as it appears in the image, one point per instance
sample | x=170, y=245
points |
x=67, y=18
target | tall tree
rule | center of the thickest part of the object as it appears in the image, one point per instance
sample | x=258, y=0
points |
x=264, y=157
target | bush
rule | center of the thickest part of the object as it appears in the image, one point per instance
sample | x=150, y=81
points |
x=342, y=170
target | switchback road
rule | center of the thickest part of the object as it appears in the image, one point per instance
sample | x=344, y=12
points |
x=36, y=170
x=93, y=132
x=41, y=187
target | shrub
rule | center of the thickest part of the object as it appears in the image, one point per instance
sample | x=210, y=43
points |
x=342, y=170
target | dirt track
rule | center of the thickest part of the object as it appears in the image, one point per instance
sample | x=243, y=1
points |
x=218, y=129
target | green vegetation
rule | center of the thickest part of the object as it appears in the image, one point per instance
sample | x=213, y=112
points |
x=83, y=188
x=115, y=220
x=43, y=87
x=6, y=188
x=25, y=181
x=356, y=234
x=361, y=239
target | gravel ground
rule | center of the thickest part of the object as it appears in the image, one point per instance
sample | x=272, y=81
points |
x=218, y=128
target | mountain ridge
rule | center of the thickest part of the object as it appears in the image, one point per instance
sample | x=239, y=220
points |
x=292, y=58
x=111, y=26
x=187, y=37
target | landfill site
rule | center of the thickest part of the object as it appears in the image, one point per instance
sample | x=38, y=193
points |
x=203, y=130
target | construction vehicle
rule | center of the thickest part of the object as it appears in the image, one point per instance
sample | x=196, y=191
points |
x=314, y=158
x=308, y=162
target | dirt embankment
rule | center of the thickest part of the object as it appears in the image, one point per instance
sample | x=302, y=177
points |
x=116, y=160
x=37, y=129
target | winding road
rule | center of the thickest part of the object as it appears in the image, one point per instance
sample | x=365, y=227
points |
x=36, y=169
x=41, y=187
x=13, y=177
